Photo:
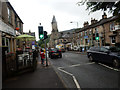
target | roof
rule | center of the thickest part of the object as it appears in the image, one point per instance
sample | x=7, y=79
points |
x=101, y=22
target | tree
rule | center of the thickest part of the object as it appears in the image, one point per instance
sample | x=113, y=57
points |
x=112, y=7
x=42, y=43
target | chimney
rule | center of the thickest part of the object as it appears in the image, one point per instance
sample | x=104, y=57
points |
x=86, y=24
x=104, y=16
x=93, y=21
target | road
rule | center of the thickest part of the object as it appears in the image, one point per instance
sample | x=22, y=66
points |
x=77, y=72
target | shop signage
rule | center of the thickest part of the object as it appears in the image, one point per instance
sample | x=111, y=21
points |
x=33, y=42
x=117, y=27
x=7, y=29
x=85, y=37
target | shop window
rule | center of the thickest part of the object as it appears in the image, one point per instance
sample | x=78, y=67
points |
x=113, y=40
x=3, y=42
x=86, y=41
x=8, y=44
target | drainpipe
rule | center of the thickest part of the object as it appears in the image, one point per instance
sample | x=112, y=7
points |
x=104, y=33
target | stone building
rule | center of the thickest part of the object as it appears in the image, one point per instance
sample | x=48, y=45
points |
x=10, y=22
x=10, y=26
x=99, y=33
x=54, y=34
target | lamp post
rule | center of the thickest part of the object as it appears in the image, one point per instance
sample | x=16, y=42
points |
x=74, y=22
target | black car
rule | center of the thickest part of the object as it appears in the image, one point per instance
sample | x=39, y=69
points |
x=53, y=53
x=102, y=54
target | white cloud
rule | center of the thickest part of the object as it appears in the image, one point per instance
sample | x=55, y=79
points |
x=33, y=12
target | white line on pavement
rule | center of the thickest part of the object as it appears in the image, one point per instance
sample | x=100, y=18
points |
x=75, y=80
x=108, y=67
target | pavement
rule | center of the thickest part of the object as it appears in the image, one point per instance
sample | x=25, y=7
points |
x=42, y=77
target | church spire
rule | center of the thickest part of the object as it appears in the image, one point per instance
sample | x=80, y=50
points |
x=53, y=20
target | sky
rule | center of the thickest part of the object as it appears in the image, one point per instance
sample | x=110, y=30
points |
x=33, y=12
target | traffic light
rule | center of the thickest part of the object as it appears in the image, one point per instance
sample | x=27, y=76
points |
x=45, y=35
x=97, y=36
x=40, y=29
x=93, y=36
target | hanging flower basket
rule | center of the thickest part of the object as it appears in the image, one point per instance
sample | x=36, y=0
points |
x=10, y=54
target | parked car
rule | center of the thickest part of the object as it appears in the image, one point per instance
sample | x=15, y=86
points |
x=54, y=52
x=102, y=54
x=76, y=48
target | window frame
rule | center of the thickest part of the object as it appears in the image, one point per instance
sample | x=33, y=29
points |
x=9, y=15
x=112, y=39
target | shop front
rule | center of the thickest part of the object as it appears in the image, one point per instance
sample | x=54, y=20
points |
x=8, y=44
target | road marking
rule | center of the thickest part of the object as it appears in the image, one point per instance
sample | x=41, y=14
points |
x=109, y=67
x=75, y=80
x=78, y=65
x=75, y=65
x=65, y=72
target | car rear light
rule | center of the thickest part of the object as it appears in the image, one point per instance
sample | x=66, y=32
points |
x=52, y=51
x=60, y=50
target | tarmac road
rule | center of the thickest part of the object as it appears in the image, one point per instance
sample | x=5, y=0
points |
x=77, y=72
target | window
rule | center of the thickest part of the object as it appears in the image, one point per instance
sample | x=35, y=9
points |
x=6, y=42
x=3, y=42
x=81, y=41
x=81, y=33
x=113, y=40
x=85, y=33
x=96, y=30
x=103, y=49
x=9, y=15
x=90, y=32
x=78, y=35
x=112, y=28
x=86, y=41
x=16, y=21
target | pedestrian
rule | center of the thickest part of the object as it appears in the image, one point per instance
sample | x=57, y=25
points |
x=42, y=54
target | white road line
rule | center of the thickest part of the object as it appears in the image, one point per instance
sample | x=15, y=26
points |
x=75, y=65
x=75, y=80
x=78, y=65
x=65, y=72
x=108, y=67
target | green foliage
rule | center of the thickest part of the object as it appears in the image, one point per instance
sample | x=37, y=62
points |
x=41, y=43
x=112, y=7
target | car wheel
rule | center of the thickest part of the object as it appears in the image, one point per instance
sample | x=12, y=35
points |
x=90, y=58
x=116, y=63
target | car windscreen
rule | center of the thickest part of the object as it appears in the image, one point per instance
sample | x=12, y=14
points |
x=55, y=50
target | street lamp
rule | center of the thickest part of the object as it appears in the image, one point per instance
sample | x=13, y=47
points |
x=75, y=22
